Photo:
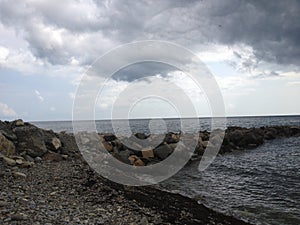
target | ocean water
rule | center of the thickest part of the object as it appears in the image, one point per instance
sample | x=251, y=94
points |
x=261, y=185
x=142, y=125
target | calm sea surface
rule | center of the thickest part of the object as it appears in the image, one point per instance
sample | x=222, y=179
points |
x=260, y=185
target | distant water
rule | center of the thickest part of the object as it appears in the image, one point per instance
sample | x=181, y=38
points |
x=261, y=185
x=142, y=125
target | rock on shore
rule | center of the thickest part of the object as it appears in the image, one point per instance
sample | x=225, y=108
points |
x=44, y=179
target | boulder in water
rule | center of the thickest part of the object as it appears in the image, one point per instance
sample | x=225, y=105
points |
x=163, y=151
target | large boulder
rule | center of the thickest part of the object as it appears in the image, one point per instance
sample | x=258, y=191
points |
x=31, y=140
x=109, y=137
x=6, y=130
x=251, y=139
x=123, y=156
x=18, y=123
x=147, y=153
x=236, y=134
x=172, y=138
x=141, y=136
x=7, y=147
x=270, y=133
x=163, y=151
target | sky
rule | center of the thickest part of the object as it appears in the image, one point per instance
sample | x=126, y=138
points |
x=252, y=48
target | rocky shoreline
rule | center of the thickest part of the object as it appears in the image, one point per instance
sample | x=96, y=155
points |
x=44, y=179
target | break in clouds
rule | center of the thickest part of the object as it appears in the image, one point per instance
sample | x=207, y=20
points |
x=77, y=32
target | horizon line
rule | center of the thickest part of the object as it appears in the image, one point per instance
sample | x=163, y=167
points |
x=156, y=118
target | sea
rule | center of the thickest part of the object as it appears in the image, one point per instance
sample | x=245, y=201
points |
x=261, y=185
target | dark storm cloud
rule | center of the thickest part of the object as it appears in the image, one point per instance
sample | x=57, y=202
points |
x=143, y=70
x=271, y=28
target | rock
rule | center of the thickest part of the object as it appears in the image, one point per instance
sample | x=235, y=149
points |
x=56, y=143
x=295, y=131
x=251, y=139
x=109, y=137
x=199, y=149
x=6, y=146
x=173, y=146
x=270, y=133
x=5, y=129
x=31, y=140
x=9, y=162
x=52, y=157
x=65, y=157
x=19, y=161
x=19, y=175
x=139, y=162
x=19, y=123
x=147, y=153
x=3, y=203
x=236, y=135
x=144, y=221
x=28, y=158
x=204, y=135
x=26, y=164
x=123, y=156
x=9, y=135
x=19, y=217
x=136, y=161
x=172, y=138
x=38, y=159
x=204, y=144
x=107, y=146
x=215, y=139
x=69, y=145
x=141, y=136
x=132, y=159
x=163, y=151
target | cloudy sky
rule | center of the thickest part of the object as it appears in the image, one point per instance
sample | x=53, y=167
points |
x=251, y=47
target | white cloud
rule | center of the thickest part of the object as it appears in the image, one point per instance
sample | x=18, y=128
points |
x=236, y=82
x=71, y=95
x=3, y=54
x=39, y=96
x=293, y=83
x=6, y=111
x=52, y=109
x=216, y=53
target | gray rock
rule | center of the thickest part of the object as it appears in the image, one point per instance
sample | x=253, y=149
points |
x=3, y=203
x=19, y=175
x=19, y=217
x=123, y=156
x=172, y=138
x=7, y=147
x=28, y=158
x=144, y=221
x=163, y=151
x=10, y=162
x=19, y=122
x=31, y=140
x=38, y=159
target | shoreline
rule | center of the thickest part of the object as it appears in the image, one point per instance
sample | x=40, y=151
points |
x=42, y=170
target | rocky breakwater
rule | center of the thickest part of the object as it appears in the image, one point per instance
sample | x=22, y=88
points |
x=140, y=150
x=23, y=144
